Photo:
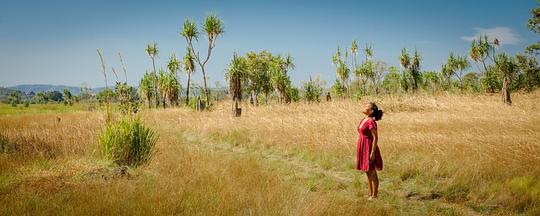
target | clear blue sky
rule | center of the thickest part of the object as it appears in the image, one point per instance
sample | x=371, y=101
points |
x=54, y=42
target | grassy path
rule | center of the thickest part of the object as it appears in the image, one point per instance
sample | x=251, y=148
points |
x=313, y=177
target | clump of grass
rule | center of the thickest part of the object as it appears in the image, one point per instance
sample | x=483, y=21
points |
x=128, y=142
x=4, y=147
x=524, y=194
x=28, y=145
x=409, y=172
x=457, y=191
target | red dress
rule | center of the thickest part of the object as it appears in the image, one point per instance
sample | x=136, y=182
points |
x=364, y=146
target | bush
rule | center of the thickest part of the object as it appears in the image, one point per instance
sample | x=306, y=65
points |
x=128, y=142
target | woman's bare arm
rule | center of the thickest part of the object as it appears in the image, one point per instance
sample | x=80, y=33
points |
x=375, y=142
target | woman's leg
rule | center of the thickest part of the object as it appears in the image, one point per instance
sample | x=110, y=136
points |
x=370, y=186
x=375, y=183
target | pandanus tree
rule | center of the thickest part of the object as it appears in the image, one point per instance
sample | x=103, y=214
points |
x=236, y=73
x=354, y=52
x=447, y=74
x=189, y=69
x=366, y=71
x=507, y=68
x=342, y=70
x=279, y=78
x=173, y=88
x=213, y=27
x=355, y=68
x=147, y=88
x=480, y=51
x=415, y=70
x=456, y=66
x=411, y=69
x=405, y=62
x=369, y=52
x=152, y=51
x=162, y=85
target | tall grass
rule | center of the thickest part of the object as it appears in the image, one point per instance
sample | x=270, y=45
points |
x=128, y=142
x=444, y=155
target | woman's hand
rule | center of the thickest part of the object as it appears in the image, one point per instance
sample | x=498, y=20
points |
x=372, y=157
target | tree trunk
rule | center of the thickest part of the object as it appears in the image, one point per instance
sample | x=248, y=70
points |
x=505, y=93
x=254, y=99
x=155, y=83
x=163, y=100
x=205, y=87
x=187, y=89
x=236, y=111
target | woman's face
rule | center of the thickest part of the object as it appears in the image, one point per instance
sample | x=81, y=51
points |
x=368, y=109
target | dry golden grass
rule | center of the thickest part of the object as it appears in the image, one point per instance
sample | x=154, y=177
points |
x=445, y=155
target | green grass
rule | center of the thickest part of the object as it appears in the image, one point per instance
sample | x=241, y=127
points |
x=8, y=110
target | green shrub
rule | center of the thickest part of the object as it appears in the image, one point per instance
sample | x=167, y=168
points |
x=128, y=142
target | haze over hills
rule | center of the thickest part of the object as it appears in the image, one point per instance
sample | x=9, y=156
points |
x=75, y=90
x=27, y=88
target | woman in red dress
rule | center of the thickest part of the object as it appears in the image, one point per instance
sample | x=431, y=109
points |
x=368, y=156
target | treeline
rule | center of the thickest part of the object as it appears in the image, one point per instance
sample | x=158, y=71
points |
x=15, y=97
x=484, y=69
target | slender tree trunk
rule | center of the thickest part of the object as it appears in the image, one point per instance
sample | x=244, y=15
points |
x=155, y=83
x=163, y=100
x=506, y=92
x=205, y=87
x=187, y=89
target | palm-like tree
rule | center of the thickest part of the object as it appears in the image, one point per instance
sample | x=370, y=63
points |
x=461, y=65
x=213, y=27
x=507, y=69
x=236, y=72
x=162, y=84
x=455, y=66
x=369, y=52
x=411, y=69
x=404, y=59
x=173, y=89
x=341, y=69
x=479, y=52
x=152, y=51
x=189, y=68
x=354, y=52
x=279, y=78
x=174, y=64
x=405, y=62
x=147, y=88
x=415, y=70
x=288, y=63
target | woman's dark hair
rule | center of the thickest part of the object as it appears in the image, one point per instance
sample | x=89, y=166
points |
x=377, y=113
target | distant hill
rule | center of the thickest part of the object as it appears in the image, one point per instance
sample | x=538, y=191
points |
x=75, y=90
x=27, y=88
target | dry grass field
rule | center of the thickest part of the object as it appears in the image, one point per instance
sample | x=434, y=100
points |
x=443, y=155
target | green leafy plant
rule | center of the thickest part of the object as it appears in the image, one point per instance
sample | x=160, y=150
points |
x=128, y=142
